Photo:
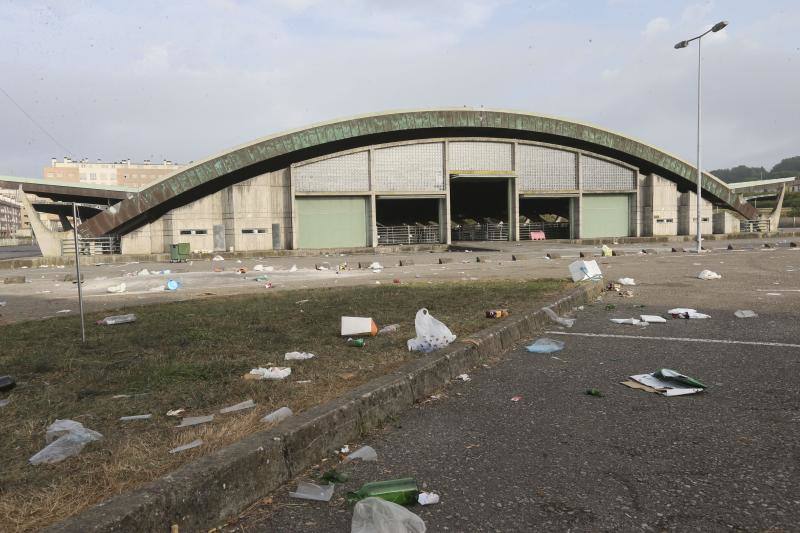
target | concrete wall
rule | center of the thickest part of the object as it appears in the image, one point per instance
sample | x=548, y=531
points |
x=687, y=215
x=659, y=206
x=726, y=222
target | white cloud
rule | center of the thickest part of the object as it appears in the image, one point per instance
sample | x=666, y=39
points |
x=656, y=26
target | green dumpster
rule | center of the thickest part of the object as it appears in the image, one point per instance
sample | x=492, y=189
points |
x=179, y=252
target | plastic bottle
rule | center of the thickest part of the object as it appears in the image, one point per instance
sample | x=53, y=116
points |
x=358, y=343
x=401, y=491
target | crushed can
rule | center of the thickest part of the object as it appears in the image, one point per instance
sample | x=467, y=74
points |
x=358, y=343
x=497, y=313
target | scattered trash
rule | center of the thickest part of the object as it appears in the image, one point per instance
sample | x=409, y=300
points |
x=431, y=333
x=345, y=449
x=427, y=498
x=684, y=312
x=247, y=404
x=218, y=258
x=464, y=377
x=293, y=269
x=194, y=421
x=334, y=476
x=159, y=288
x=594, y=392
x=143, y=272
x=135, y=417
x=269, y=285
x=5, y=402
x=708, y=274
x=262, y=268
x=175, y=412
x=545, y=345
x=585, y=270
x=302, y=301
x=241, y=270
x=261, y=279
x=376, y=267
x=117, y=319
x=497, y=313
x=391, y=328
x=298, y=356
x=64, y=439
x=516, y=398
x=400, y=491
x=653, y=319
x=605, y=251
x=358, y=343
x=746, y=314
x=117, y=289
x=373, y=515
x=665, y=382
x=310, y=491
x=396, y=281
x=273, y=372
x=194, y=444
x=7, y=383
x=64, y=311
x=355, y=325
x=3, y=304
x=278, y=416
x=626, y=281
x=566, y=322
x=365, y=453
x=323, y=266
x=774, y=294
x=632, y=321
x=173, y=285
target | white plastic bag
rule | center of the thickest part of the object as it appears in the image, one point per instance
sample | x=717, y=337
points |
x=64, y=438
x=545, y=345
x=566, y=322
x=431, y=334
x=708, y=274
x=374, y=515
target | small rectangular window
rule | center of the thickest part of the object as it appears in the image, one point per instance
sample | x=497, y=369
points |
x=253, y=230
x=194, y=232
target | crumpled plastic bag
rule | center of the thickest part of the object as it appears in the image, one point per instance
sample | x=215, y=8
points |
x=566, y=322
x=545, y=345
x=374, y=515
x=431, y=334
x=708, y=274
x=64, y=438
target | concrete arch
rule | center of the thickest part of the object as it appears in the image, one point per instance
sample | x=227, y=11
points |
x=280, y=150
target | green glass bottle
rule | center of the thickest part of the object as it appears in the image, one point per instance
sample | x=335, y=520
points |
x=401, y=491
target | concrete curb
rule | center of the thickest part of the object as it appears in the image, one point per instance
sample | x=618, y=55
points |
x=203, y=493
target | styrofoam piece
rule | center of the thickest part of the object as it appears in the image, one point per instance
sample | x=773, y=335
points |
x=278, y=416
x=631, y=321
x=136, y=417
x=194, y=421
x=247, y=404
x=427, y=498
x=626, y=281
x=585, y=270
x=356, y=325
x=708, y=274
x=653, y=319
x=745, y=314
x=273, y=372
x=194, y=444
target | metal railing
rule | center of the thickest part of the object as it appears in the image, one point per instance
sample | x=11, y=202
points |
x=552, y=230
x=408, y=234
x=480, y=232
x=95, y=246
x=754, y=226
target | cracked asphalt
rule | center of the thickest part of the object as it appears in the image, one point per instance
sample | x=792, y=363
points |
x=559, y=460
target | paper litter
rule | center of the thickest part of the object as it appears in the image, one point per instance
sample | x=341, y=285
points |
x=298, y=356
x=194, y=444
x=273, y=372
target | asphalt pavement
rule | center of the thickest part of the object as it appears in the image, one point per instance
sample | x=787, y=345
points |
x=558, y=459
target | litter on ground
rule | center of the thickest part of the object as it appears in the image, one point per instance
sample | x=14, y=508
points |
x=356, y=325
x=391, y=328
x=653, y=319
x=585, y=270
x=463, y=377
x=175, y=412
x=745, y=314
x=278, y=416
x=545, y=345
x=365, y=453
x=135, y=417
x=116, y=289
x=194, y=421
x=708, y=274
x=117, y=319
x=64, y=439
x=194, y=444
x=566, y=322
x=626, y=281
x=371, y=515
x=247, y=404
x=310, y=491
x=685, y=312
x=298, y=356
x=431, y=333
x=666, y=382
x=631, y=321
x=427, y=498
x=273, y=372
x=218, y=258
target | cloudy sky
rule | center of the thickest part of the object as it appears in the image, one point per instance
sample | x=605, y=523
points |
x=184, y=79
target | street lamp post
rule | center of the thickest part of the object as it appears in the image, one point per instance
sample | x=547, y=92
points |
x=683, y=44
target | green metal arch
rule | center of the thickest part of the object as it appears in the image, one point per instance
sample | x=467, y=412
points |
x=205, y=172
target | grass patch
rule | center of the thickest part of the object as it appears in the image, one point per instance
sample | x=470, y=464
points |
x=192, y=355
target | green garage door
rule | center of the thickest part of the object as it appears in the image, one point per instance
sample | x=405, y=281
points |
x=605, y=215
x=332, y=222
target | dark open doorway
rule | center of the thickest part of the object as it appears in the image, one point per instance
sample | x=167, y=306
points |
x=553, y=216
x=479, y=209
x=407, y=220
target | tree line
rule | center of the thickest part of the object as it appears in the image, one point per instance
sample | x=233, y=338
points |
x=789, y=167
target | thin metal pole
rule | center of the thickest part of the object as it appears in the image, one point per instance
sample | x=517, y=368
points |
x=78, y=267
x=699, y=165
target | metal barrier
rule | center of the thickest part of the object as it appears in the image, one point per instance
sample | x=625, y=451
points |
x=552, y=230
x=408, y=234
x=96, y=246
x=480, y=232
x=754, y=226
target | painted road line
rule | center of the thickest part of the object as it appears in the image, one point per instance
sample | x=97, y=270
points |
x=680, y=339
